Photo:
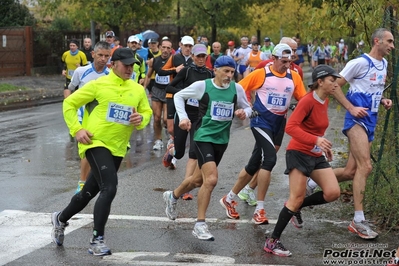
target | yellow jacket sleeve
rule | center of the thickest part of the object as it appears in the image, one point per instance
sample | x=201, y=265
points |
x=73, y=102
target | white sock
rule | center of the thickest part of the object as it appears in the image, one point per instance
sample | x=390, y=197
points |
x=199, y=223
x=230, y=196
x=312, y=184
x=173, y=198
x=260, y=205
x=248, y=187
x=359, y=216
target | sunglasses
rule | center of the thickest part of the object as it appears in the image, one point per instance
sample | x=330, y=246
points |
x=201, y=56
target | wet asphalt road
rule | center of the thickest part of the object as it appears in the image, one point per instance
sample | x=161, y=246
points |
x=39, y=172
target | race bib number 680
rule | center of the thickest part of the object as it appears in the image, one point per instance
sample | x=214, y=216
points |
x=119, y=113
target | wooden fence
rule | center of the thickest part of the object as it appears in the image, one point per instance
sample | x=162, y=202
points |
x=16, y=51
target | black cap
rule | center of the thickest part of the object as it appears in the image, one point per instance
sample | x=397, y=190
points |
x=153, y=40
x=74, y=41
x=125, y=55
x=267, y=39
x=322, y=71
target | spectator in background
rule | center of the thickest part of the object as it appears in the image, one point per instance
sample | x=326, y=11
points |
x=87, y=49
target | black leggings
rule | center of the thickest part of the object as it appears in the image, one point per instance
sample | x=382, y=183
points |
x=102, y=178
x=264, y=154
x=180, y=138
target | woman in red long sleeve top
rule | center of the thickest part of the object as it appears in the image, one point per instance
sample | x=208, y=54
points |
x=304, y=156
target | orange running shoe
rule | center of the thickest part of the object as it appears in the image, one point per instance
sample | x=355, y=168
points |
x=187, y=196
x=230, y=208
x=260, y=217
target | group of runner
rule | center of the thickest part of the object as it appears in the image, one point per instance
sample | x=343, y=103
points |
x=201, y=104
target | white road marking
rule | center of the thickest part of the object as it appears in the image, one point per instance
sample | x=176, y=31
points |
x=22, y=232
x=138, y=258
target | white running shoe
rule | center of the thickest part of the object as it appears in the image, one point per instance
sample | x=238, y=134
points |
x=170, y=210
x=201, y=232
x=158, y=145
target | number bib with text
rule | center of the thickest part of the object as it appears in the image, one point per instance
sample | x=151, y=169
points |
x=134, y=74
x=163, y=80
x=119, y=113
x=222, y=111
x=375, y=102
x=192, y=102
x=277, y=100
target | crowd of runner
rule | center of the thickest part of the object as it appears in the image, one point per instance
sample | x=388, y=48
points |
x=195, y=92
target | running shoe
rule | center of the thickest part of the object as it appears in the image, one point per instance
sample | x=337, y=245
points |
x=259, y=217
x=167, y=158
x=173, y=164
x=80, y=186
x=309, y=189
x=275, y=247
x=57, y=234
x=230, y=208
x=201, y=232
x=170, y=210
x=158, y=145
x=362, y=229
x=393, y=262
x=296, y=220
x=98, y=247
x=187, y=196
x=248, y=195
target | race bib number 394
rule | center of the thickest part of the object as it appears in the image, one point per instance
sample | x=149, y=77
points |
x=119, y=113
x=222, y=111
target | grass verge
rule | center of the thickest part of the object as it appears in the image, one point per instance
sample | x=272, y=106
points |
x=5, y=87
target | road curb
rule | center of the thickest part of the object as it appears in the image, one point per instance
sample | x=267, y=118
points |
x=29, y=98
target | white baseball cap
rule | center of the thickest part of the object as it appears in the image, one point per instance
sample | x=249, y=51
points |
x=133, y=38
x=280, y=48
x=187, y=40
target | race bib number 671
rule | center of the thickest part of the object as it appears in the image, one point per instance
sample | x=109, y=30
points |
x=119, y=113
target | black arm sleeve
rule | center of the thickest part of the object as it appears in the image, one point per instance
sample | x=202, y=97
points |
x=180, y=77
